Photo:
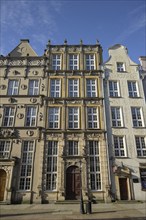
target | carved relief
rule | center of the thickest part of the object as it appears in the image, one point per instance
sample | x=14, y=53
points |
x=15, y=72
x=23, y=87
x=30, y=133
x=35, y=72
x=16, y=62
x=3, y=62
x=36, y=62
x=33, y=100
x=7, y=132
x=3, y=87
x=20, y=115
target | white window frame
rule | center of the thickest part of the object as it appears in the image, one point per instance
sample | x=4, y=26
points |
x=120, y=67
x=33, y=87
x=31, y=113
x=26, y=166
x=91, y=87
x=55, y=87
x=73, y=61
x=90, y=61
x=119, y=146
x=73, y=117
x=13, y=86
x=133, y=89
x=92, y=118
x=114, y=89
x=5, y=147
x=137, y=116
x=116, y=116
x=140, y=142
x=51, y=165
x=73, y=148
x=53, y=116
x=56, y=61
x=8, y=118
x=73, y=87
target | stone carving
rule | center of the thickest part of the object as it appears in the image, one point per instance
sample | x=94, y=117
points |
x=7, y=132
x=2, y=87
x=16, y=62
x=33, y=100
x=36, y=62
x=15, y=72
x=20, y=115
x=30, y=133
x=3, y=62
x=41, y=116
x=23, y=87
x=35, y=72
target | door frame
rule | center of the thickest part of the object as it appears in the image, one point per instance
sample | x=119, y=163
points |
x=4, y=190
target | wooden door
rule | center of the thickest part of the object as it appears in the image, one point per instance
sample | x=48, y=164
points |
x=123, y=188
x=73, y=183
x=2, y=184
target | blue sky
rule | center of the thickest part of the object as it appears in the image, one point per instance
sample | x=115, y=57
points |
x=109, y=21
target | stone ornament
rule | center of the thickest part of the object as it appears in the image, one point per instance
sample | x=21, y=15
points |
x=30, y=133
x=7, y=132
x=33, y=100
x=2, y=87
x=20, y=115
x=23, y=87
x=35, y=72
x=15, y=72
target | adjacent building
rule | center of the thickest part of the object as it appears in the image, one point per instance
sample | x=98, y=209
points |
x=142, y=60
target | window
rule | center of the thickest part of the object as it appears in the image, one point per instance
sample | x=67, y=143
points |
x=94, y=163
x=140, y=146
x=26, y=165
x=33, y=87
x=119, y=146
x=120, y=67
x=56, y=62
x=90, y=62
x=73, y=62
x=137, y=117
x=13, y=87
x=55, y=88
x=8, y=119
x=132, y=89
x=73, y=117
x=53, y=117
x=114, y=89
x=116, y=117
x=92, y=117
x=91, y=88
x=73, y=87
x=30, y=116
x=51, y=175
x=143, y=178
x=4, y=149
x=72, y=148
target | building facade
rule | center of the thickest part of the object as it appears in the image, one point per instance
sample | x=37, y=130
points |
x=126, y=125
x=142, y=60
x=52, y=140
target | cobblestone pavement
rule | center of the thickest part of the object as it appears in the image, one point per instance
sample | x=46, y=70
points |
x=116, y=211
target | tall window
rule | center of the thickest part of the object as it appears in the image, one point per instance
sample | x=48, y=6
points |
x=33, y=87
x=137, y=117
x=114, y=89
x=143, y=178
x=132, y=89
x=4, y=149
x=56, y=62
x=119, y=146
x=30, y=116
x=13, y=87
x=26, y=165
x=8, y=119
x=92, y=116
x=73, y=117
x=73, y=87
x=73, y=62
x=91, y=88
x=72, y=148
x=53, y=117
x=94, y=163
x=51, y=175
x=55, y=88
x=120, y=67
x=116, y=117
x=140, y=146
x=90, y=62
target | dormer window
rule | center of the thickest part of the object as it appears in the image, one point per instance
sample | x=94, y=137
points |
x=120, y=67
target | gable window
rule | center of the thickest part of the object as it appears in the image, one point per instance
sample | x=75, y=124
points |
x=137, y=117
x=56, y=62
x=114, y=89
x=8, y=118
x=92, y=116
x=91, y=87
x=13, y=87
x=90, y=62
x=30, y=116
x=72, y=148
x=119, y=146
x=73, y=87
x=73, y=62
x=26, y=165
x=33, y=87
x=140, y=146
x=116, y=117
x=120, y=67
x=55, y=88
x=73, y=117
x=132, y=89
x=54, y=118
x=4, y=149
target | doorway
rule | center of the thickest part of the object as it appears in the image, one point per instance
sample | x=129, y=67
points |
x=2, y=184
x=123, y=188
x=73, y=183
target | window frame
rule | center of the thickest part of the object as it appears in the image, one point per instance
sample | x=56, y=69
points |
x=90, y=92
x=54, y=93
x=33, y=88
x=91, y=115
x=73, y=148
x=56, y=61
x=89, y=60
x=10, y=117
x=134, y=93
x=13, y=87
x=114, y=92
x=5, y=152
x=140, y=146
x=73, y=93
x=121, y=67
x=31, y=120
x=54, y=115
x=120, y=150
x=73, y=60
x=117, y=121
x=137, y=122
x=72, y=115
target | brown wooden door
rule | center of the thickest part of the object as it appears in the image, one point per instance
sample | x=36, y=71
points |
x=73, y=183
x=2, y=184
x=123, y=188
